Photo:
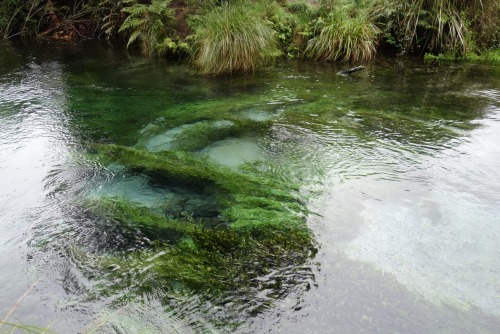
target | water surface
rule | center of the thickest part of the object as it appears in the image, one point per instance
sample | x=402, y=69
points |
x=398, y=164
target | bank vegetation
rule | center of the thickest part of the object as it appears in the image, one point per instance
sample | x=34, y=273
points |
x=233, y=36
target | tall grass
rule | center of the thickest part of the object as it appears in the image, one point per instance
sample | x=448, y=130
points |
x=345, y=34
x=440, y=26
x=231, y=38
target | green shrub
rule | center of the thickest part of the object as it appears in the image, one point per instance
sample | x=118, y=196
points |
x=293, y=26
x=151, y=25
x=232, y=38
x=19, y=17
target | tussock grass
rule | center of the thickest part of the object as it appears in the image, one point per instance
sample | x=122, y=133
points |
x=232, y=38
x=344, y=37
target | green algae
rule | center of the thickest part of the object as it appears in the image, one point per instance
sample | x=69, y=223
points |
x=198, y=135
x=254, y=224
x=260, y=227
x=133, y=216
x=186, y=167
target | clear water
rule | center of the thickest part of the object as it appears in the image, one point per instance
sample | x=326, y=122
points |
x=399, y=164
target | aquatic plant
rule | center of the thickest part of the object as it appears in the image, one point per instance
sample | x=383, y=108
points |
x=188, y=168
x=344, y=34
x=260, y=226
x=200, y=134
x=488, y=57
x=232, y=38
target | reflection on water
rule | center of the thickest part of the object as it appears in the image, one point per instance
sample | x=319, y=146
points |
x=399, y=167
x=448, y=218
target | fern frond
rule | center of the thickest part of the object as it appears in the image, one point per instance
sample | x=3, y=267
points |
x=131, y=23
x=133, y=37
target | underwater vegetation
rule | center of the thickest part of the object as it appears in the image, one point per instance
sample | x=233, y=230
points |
x=210, y=233
x=259, y=227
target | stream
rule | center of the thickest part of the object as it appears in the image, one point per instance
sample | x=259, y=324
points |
x=397, y=166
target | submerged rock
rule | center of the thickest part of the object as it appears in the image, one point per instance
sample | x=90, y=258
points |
x=234, y=152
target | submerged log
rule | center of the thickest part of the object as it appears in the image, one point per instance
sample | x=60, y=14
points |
x=351, y=70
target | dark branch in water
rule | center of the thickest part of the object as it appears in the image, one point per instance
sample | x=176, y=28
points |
x=351, y=70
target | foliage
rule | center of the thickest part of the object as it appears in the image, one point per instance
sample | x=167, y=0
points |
x=232, y=38
x=345, y=33
x=440, y=26
x=19, y=17
x=111, y=16
x=151, y=24
x=61, y=19
x=489, y=57
x=293, y=26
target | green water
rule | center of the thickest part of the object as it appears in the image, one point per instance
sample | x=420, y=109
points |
x=391, y=174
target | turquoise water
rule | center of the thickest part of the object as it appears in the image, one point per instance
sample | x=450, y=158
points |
x=397, y=164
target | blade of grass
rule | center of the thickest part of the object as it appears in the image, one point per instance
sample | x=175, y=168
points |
x=17, y=303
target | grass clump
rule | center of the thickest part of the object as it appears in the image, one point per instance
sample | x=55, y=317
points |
x=344, y=33
x=232, y=38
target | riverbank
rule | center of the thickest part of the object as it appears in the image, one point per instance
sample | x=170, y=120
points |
x=228, y=37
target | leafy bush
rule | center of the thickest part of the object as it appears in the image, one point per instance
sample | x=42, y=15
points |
x=151, y=25
x=232, y=38
x=18, y=17
x=293, y=27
